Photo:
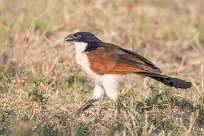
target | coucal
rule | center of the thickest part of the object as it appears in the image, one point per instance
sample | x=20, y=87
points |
x=105, y=63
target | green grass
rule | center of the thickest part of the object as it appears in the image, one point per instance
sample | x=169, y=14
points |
x=41, y=87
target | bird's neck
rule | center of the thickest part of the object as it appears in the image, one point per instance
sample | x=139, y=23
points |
x=80, y=47
x=85, y=47
x=91, y=46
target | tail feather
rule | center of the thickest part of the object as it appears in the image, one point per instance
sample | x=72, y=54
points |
x=170, y=81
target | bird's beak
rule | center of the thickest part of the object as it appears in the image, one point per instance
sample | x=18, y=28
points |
x=70, y=37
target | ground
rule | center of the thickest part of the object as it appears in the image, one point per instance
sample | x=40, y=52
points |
x=41, y=87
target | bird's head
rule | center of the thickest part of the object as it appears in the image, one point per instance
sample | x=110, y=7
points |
x=85, y=37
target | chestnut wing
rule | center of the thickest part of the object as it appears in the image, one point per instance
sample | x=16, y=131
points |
x=111, y=59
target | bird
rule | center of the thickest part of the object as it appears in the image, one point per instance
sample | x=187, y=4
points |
x=106, y=63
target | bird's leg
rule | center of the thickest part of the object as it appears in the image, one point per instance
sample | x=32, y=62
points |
x=86, y=105
x=97, y=93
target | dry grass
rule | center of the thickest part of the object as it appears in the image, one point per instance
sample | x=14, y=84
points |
x=41, y=87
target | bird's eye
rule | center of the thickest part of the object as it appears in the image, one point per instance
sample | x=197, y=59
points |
x=78, y=36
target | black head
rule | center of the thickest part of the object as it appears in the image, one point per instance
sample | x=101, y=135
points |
x=85, y=37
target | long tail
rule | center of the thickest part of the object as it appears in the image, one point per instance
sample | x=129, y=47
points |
x=170, y=81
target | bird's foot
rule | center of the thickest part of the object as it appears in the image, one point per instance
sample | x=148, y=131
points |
x=86, y=105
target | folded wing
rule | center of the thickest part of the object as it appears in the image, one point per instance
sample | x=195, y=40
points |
x=112, y=59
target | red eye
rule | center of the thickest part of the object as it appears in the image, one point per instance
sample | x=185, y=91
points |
x=78, y=36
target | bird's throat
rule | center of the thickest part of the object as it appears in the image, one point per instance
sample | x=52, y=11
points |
x=80, y=47
x=84, y=47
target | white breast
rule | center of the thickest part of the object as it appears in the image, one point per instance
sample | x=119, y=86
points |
x=107, y=82
x=82, y=60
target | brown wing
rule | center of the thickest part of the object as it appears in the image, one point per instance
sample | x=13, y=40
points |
x=111, y=59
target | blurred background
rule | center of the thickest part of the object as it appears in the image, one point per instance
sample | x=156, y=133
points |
x=41, y=86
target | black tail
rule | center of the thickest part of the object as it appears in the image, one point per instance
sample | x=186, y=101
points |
x=170, y=81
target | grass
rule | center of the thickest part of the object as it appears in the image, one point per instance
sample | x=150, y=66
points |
x=41, y=87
